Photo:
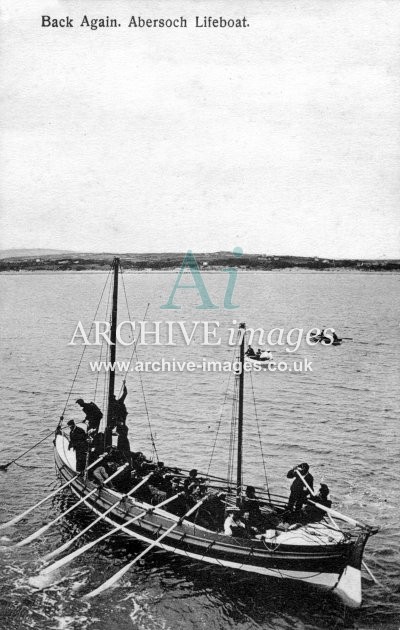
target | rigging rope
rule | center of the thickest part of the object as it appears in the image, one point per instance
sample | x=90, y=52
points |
x=220, y=417
x=147, y=414
x=134, y=352
x=130, y=319
x=4, y=467
x=259, y=436
x=84, y=349
x=106, y=376
x=102, y=345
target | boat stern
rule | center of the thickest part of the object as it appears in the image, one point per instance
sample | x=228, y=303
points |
x=348, y=588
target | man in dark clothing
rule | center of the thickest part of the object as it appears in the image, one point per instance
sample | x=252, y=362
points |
x=161, y=477
x=160, y=484
x=298, y=490
x=322, y=496
x=312, y=512
x=92, y=413
x=123, y=445
x=191, y=483
x=78, y=441
x=118, y=408
x=251, y=506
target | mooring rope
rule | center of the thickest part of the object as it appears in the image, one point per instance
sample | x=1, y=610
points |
x=13, y=461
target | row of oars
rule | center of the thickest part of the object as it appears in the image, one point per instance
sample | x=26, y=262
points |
x=50, y=568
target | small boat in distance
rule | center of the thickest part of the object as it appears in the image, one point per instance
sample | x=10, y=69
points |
x=260, y=358
x=204, y=517
x=329, y=339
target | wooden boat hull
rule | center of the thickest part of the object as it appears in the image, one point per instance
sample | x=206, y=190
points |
x=334, y=567
x=327, y=341
x=260, y=363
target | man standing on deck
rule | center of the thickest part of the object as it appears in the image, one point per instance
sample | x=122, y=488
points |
x=78, y=441
x=298, y=490
x=92, y=413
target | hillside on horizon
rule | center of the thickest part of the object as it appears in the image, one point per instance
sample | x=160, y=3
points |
x=62, y=260
x=24, y=253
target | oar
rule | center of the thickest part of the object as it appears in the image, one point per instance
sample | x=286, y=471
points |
x=89, y=545
x=43, y=529
x=328, y=510
x=18, y=518
x=314, y=494
x=331, y=512
x=366, y=567
x=65, y=546
x=112, y=580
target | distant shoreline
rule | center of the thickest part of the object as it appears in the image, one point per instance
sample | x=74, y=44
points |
x=292, y=270
x=173, y=262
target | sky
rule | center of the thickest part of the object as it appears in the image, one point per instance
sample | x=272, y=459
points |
x=281, y=138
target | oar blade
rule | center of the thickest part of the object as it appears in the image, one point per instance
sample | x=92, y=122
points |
x=67, y=544
x=110, y=582
x=67, y=559
x=114, y=578
x=19, y=517
x=15, y=520
x=33, y=536
x=43, y=529
x=56, y=552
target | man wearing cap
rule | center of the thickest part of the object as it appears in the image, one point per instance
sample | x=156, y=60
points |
x=298, y=490
x=313, y=513
x=92, y=413
x=191, y=482
x=78, y=441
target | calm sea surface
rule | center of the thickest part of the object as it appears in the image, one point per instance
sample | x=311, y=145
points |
x=342, y=418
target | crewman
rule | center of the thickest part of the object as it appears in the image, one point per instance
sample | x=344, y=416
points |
x=78, y=441
x=312, y=512
x=100, y=474
x=234, y=526
x=118, y=408
x=160, y=484
x=191, y=483
x=251, y=505
x=298, y=490
x=123, y=445
x=92, y=413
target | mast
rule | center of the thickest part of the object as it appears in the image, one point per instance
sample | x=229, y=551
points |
x=113, y=338
x=242, y=329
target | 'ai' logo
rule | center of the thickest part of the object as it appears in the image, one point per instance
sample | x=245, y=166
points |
x=190, y=263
